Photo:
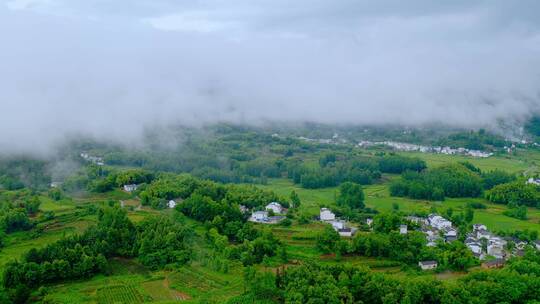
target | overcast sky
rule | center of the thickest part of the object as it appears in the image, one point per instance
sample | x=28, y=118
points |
x=111, y=68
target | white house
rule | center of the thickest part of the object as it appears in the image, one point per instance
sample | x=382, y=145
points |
x=475, y=247
x=171, y=204
x=403, y=229
x=439, y=222
x=259, y=216
x=495, y=250
x=243, y=208
x=346, y=232
x=427, y=265
x=533, y=181
x=130, y=187
x=369, y=221
x=275, y=206
x=416, y=219
x=483, y=234
x=477, y=227
x=338, y=224
x=56, y=184
x=537, y=245
x=327, y=215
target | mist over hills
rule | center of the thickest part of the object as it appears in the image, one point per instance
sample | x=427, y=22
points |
x=112, y=71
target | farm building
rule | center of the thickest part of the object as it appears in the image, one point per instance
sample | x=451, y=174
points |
x=427, y=265
x=130, y=187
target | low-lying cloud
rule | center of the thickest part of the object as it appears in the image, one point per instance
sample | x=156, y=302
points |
x=114, y=68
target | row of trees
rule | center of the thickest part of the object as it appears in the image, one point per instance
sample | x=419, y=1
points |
x=335, y=169
x=452, y=180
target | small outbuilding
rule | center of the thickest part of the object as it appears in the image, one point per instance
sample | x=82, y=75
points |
x=427, y=265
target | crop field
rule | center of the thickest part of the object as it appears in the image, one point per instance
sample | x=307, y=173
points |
x=200, y=282
x=118, y=294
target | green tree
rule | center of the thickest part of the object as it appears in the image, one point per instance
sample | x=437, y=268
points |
x=351, y=195
x=327, y=239
x=295, y=200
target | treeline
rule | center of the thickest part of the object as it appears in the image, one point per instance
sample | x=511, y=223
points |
x=335, y=169
x=314, y=283
x=156, y=242
x=474, y=140
x=20, y=172
x=452, y=180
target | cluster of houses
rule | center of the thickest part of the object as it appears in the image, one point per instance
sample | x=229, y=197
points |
x=93, y=159
x=436, y=228
x=334, y=140
x=399, y=146
x=263, y=216
x=341, y=226
x=484, y=243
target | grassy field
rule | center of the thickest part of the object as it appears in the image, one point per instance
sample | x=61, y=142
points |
x=510, y=163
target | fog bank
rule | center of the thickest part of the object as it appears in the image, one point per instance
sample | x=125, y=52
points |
x=113, y=69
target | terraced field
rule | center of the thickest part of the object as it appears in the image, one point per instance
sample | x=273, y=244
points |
x=119, y=294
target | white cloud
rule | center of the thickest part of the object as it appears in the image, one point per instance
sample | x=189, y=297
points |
x=27, y=4
x=191, y=22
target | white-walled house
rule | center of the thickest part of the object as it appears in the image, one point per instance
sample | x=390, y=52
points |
x=275, y=207
x=346, y=232
x=369, y=221
x=259, y=216
x=338, y=224
x=171, y=204
x=427, y=265
x=130, y=187
x=439, y=222
x=243, y=208
x=496, y=250
x=327, y=215
x=533, y=181
x=477, y=227
x=403, y=229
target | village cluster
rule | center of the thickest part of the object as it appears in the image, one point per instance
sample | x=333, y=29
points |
x=425, y=149
x=485, y=245
x=93, y=159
